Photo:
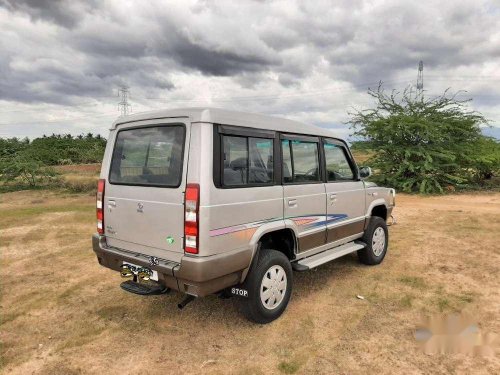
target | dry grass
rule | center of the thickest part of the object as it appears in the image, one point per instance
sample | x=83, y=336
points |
x=80, y=169
x=64, y=314
x=81, y=178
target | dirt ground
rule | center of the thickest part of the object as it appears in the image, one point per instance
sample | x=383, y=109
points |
x=61, y=313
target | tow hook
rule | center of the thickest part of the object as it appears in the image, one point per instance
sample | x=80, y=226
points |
x=185, y=301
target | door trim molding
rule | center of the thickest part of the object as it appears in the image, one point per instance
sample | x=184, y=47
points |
x=345, y=222
x=327, y=246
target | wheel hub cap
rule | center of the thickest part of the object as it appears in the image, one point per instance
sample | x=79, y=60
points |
x=378, y=241
x=273, y=287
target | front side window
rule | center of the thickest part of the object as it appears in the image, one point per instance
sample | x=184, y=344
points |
x=148, y=156
x=247, y=161
x=304, y=159
x=337, y=163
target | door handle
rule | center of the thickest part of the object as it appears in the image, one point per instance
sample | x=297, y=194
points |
x=292, y=203
x=333, y=198
x=111, y=204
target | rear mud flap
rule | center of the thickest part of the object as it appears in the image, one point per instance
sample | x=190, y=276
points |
x=239, y=291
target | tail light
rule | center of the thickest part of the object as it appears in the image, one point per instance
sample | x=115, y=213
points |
x=191, y=218
x=100, y=206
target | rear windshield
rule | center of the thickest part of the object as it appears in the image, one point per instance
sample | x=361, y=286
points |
x=148, y=156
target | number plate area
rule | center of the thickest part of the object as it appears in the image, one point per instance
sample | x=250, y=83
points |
x=145, y=273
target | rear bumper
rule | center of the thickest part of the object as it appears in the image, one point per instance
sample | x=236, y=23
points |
x=198, y=276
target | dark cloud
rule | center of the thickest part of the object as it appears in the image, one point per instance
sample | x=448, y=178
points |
x=217, y=63
x=449, y=36
x=66, y=13
x=66, y=52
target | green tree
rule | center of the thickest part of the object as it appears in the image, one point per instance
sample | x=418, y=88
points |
x=486, y=159
x=11, y=146
x=423, y=144
x=66, y=149
x=25, y=169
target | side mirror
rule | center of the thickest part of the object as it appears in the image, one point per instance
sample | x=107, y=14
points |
x=365, y=172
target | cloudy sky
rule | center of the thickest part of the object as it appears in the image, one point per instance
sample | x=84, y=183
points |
x=62, y=62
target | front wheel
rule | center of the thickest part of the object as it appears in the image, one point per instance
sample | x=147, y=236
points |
x=376, y=238
x=269, y=286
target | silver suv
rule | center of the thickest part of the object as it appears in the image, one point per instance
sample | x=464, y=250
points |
x=206, y=201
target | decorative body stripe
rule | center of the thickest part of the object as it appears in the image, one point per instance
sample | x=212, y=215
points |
x=305, y=222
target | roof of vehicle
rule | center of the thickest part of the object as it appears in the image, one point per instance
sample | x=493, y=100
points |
x=227, y=117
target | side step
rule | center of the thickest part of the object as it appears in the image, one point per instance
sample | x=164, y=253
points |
x=143, y=289
x=327, y=255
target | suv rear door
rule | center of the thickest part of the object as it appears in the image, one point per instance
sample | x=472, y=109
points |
x=144, y=194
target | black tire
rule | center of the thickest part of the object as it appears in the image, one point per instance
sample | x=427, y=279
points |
x=252, y=307
x=368, y=255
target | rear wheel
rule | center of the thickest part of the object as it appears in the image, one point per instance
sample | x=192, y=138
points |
x=269, y=286
x=376, y=238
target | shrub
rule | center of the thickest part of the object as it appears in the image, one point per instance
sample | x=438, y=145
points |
x=425, y=145
x=29, y=171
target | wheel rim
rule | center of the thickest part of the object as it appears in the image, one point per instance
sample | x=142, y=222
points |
x=378, y=241
x=273, y=287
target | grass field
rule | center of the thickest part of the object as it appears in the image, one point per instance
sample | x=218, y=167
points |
x=61, y=313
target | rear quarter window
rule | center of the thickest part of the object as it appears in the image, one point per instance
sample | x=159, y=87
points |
x=248, y=161
x=148, y=156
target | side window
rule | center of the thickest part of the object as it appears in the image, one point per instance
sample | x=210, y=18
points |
x=337, y=163
x=235, y=160
x=261, y=161
x=300, y=161
x=247, y=161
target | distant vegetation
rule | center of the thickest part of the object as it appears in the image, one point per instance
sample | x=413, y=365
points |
x=414, y=144
x=30, y=164
x=425, y=145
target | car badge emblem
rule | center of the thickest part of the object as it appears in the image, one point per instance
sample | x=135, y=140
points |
x=153, y=261
x=140, y=207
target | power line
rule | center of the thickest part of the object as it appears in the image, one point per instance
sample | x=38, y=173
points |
x=124, y=105
x=281, y=96
x=450, y=78
x=468, y=76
